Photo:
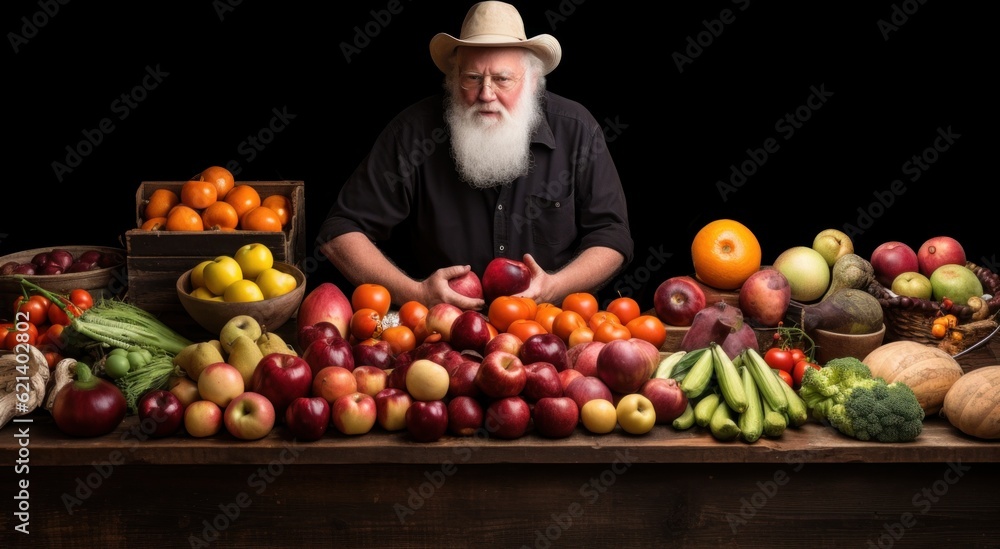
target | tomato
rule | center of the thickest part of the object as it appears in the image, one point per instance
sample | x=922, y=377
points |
x=371, y=296
x=506, y=309
x=648, y=327
x=5, y=328
x=565, y=322
x=81, y=298
x=59, y=316
x=625, y=308
x=524, y=328
x=34, y=309
x=583, y=303
x=20, y=333
x=779, y=359
x=609, y=330
x=786, y=377
x=797, y=355
x=799, y=370
x=401, y=339
x=411, y=313
x=600, y=317
x=52, y=336
x=366, y=323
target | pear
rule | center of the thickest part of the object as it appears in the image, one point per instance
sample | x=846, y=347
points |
x=245, y=355
x=239, y=324
x=197, y=356
x=270, y=342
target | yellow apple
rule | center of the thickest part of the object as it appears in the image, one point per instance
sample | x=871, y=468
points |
x=274, y=283
x=198, y=275
x=242, y=291
x=204, y=293
x=253, y=259
x=220, y=273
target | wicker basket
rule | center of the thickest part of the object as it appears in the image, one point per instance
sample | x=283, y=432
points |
x=911, y=319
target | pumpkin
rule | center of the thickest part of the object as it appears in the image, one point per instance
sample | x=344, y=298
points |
x=929, y=371
x=972, y=405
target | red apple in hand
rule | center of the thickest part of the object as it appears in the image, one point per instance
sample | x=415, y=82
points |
x=677, y=299
x=556, y=417
x=937, y=251
x=468, y=285
x=282, y=378
x=307, y=418
x=890, y=259
x=326, y=302
x=504, y=276
x=625, y=364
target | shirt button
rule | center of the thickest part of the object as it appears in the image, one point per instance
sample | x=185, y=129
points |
x=557, y=204
x=502, y=247
x=500, y=206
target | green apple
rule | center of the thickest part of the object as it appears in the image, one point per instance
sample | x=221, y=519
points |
x=912, y=284
x=239, y=324
x=253, y=259
x=807, y=272
x=274, y=283
x=599, y=416
x=220, y=273
x=832, y=244
x=636, y=414
x=956, y=282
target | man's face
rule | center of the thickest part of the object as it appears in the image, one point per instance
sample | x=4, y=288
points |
x=500, y=64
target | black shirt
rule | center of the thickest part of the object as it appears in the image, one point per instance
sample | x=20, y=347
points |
x=407, y=197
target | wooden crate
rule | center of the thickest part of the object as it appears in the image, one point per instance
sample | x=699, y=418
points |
x=156, y=259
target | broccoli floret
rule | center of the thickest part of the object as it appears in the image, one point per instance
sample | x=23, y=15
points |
x=844, y=393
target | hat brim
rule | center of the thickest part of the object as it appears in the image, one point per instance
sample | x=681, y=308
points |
x=545, y=46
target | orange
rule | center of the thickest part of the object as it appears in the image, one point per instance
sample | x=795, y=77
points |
x=155, y=224
x=221, y=178
x=184, y=218
x=260, y=218
x=159, y=203
x=281, y=206
x=198, y=194
x=244, y=198
x=725, y=253
x=220, y=216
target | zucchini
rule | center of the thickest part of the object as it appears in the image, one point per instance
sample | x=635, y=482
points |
x=728, y=378
x=769, y=384
x=751, y=421
x=723, y=423
x=704, y=409
x=775, y=422
x=797, y=411
x=685, y=420
x=666, y=366
x=699, y=377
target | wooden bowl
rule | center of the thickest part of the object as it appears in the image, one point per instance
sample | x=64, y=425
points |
x=106, y=282
x=271, y=313
x=830, y=345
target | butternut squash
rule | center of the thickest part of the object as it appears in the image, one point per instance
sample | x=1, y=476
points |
x=972, y=405
x=929, y=371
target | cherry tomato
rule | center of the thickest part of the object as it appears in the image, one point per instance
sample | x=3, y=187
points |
x=800, y=370
x=34, y=309
x=5, y=328
x=797, y=355
x=20, y=333
x=786, y=377
x=779, y=359
x=58, y=316
x=81, y=298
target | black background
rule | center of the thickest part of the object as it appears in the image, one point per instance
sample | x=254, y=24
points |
x=673, y=133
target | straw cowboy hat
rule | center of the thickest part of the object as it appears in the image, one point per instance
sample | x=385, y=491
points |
x=494, y=24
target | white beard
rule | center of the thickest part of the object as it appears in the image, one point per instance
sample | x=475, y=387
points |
x=491, y=152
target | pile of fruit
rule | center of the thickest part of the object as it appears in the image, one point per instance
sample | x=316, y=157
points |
x=245, y=276
x=212, y=201
x=59, y=261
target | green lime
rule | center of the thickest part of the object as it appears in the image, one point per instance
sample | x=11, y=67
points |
x=116, y=365
x=136, y=359
x=118, y=351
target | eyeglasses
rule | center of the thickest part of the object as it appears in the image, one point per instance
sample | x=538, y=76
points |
x=498, y=82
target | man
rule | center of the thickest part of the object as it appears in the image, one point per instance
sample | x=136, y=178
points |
x=498, y=166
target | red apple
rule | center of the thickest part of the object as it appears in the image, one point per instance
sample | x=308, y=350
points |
x=542, y=382
x=505, y=276
x=567, y=376
x=249, y=416
x=326, y=302
x=468, y=285
x=463, y=380
x=311, y=332
x=370, y=379
x=330, y=351
x=470, y=331
x=282, y=378
x=160, y=412
x=507, y=418
x=764, y=297
x=333, y=382
x=583, y=357
x=547, y=347
x=890, y=259
x=373, y=352
x=501, y=374
x=390, y=408
x=668, y=399
x=353, y=414
x=677, y=299
x=440, y=318
x=625, y=364
x=465, y=416
x=434, y=351
x=937, y=251
x=427, y=421
x=555, y=417
x=307, y=418
x=586, y=388
x=504, y=341
x=397, y=376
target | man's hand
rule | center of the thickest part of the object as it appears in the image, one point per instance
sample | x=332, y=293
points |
x=437, y=290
